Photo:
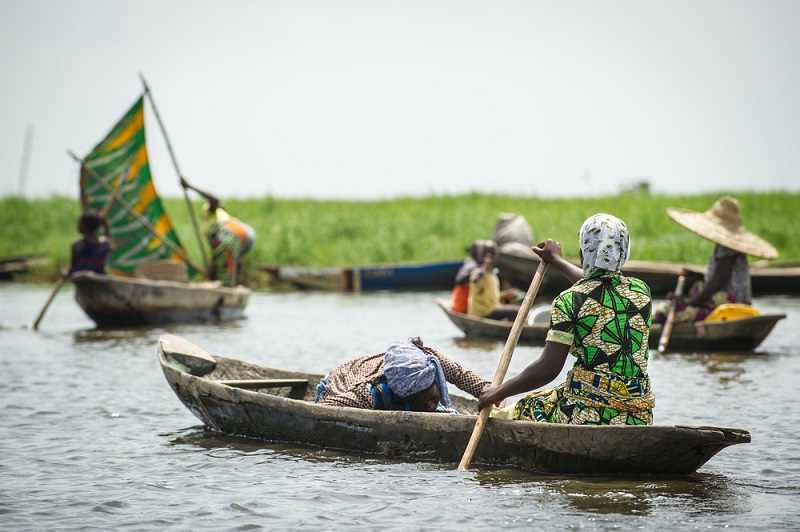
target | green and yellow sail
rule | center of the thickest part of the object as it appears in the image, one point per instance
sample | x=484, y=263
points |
x=142, y=232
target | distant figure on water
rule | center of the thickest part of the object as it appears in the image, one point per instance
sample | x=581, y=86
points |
x=485, y=299
x=603, y=320
x=91, y=252
x=230, y=238
x=408, y=376
x=727, y=278
x=460, y=298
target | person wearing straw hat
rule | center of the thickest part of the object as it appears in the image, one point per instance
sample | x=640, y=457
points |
x=727, y=278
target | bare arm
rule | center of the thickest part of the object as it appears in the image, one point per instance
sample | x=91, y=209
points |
x=542, y=371
x=550, y=252
x=213, y=201
x=721, y=275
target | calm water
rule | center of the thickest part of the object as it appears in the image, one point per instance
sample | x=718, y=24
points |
x=94, y=438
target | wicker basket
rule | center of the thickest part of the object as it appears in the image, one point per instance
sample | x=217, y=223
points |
x=167, y=270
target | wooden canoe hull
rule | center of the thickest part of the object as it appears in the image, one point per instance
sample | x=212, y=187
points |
x=290, y=415
x=517, y=265
x=112, y=301
x=400, y=277
x=739, y=335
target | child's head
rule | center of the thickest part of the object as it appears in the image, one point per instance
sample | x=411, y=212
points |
x=89, y=222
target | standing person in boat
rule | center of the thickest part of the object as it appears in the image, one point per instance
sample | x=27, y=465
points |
x=91, y=252
x=229, y=237
x=408, y=376
x=485, y=299
x=727, y=277
x=603, y=320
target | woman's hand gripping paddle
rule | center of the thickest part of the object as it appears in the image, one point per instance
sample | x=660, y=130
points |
x=505, y=361
x=667, y=331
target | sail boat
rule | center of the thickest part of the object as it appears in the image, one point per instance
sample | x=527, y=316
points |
x=148, y=271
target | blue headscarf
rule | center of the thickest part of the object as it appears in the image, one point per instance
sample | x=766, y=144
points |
x=409, y=370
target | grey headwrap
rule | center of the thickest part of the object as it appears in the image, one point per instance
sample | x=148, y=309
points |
x=604, y=242
x=409, y=370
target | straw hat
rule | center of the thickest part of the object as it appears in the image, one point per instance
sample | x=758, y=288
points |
x=722, y=224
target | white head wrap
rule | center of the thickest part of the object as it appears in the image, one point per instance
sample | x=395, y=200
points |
x=408, y=370
x=604, y=243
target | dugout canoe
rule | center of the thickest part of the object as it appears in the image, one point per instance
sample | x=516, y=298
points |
x=517, y=265
x=395, y=277
x=244, y=399
x=112, y=301
x=743, y=334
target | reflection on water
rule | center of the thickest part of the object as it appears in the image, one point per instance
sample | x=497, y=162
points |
x=706, y=493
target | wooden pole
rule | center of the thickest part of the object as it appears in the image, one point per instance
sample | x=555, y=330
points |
x=141, y=219
x=505, y=361
x=178, y=171
x=670, y=323
x=56, y=288
x=114, y=195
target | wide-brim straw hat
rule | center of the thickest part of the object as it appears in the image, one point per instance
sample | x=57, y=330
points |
x=722, y=224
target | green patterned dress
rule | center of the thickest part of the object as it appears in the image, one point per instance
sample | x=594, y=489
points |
x=605, y=319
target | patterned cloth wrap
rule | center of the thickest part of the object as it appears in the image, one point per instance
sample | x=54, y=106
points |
x=230, y=240
x=588, y=397
x=409, y=370
x=93, y=257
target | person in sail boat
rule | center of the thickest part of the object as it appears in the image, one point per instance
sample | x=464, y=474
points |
x=91, y=252
x=603, y=320
x=727, y=277
x=229, y=237
x=408, y=376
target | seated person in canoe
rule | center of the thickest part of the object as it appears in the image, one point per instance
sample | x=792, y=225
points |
x=727, y=278
x=485, y=298
x=408, y=376
x=603, y=320
x=91, y=252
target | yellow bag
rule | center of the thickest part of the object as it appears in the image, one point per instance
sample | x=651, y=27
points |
x=731, y=311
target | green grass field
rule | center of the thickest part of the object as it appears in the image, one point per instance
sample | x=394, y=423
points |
x=336, y=233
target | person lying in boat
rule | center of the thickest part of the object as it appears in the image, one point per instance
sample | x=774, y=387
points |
x=485, y=298
x=603, y=320
x=91, y=252
x=230, y=238
x=727, y=278
x=408, y=376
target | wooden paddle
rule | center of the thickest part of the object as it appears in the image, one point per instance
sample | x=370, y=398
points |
x=505, y=361
x=667, y=332
x=102, y=213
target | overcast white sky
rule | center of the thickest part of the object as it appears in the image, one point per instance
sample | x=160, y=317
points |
x=375, y=99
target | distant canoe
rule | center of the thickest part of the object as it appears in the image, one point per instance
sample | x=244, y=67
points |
x=112, y=301
x=737, y=335
x=243, y=399
x=10, y=266
x=398, y=277
x=517, y=265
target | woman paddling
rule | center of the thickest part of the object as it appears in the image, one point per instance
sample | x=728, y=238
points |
x=727, y=278
x=603, y=320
